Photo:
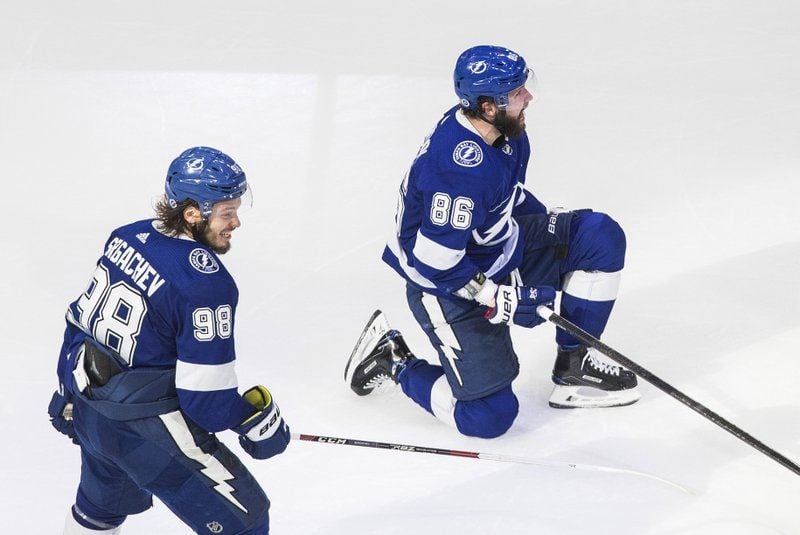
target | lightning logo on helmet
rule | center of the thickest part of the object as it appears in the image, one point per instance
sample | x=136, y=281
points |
x=479, y=67
x=195, y=164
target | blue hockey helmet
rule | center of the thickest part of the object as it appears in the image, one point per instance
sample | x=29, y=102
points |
x=206, y=176
x=488, y=71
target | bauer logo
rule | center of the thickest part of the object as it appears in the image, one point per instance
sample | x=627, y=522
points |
x=468, y=154
x=214, y=527
x=551, y=225
x=202, y=261
x=507, y=149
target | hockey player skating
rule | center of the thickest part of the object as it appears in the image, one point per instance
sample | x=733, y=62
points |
x=479, y=253
x=146, y=370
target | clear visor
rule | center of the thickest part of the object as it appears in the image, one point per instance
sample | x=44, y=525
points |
x=247, y=199
x=233, y=208
x=531, y=85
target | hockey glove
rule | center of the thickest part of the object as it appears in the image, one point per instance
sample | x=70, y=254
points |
x=264, y=434
x=517, y=304
x=60, y=411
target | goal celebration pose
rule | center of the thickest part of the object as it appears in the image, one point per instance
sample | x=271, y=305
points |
x=479, y=253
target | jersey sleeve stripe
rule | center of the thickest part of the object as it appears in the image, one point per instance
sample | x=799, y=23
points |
x=205, y=377
x=436, y=255
x=396, y=257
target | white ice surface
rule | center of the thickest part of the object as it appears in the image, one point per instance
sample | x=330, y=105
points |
x=680, y=118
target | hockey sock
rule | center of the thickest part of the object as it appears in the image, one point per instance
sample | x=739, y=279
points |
x=417, y=381
x=427, y=385
x=587, y=300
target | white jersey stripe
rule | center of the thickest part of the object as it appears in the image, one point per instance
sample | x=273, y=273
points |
x=436, y=255
x=413, y=274
x=205, y=377
x=592, y=285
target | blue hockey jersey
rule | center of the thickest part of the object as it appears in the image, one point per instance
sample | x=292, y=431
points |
x=168, y=303
x=455, y=214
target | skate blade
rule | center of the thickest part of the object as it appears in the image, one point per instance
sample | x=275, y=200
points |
x=586, y=397
x=376, y=327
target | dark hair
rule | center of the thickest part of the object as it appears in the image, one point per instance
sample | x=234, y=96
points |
x=172, y=219
x=475, y=112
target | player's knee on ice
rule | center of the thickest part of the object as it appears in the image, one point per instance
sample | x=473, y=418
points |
x=487, y=417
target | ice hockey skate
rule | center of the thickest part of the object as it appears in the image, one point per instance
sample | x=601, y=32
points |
x=378, y=358
x=584, y=379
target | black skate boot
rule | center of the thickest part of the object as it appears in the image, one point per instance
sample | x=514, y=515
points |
x=585, y=379
x=378, y=357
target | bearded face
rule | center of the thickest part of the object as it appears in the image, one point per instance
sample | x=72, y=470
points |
x=510, y=126
x=215, y=232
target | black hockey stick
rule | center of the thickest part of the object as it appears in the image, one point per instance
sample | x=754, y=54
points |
x=484, y=456
x=668, y=389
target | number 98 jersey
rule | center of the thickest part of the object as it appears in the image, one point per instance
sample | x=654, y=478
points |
x=163, y=302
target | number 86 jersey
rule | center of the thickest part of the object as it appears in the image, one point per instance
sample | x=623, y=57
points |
x=157, y=301
x=456, y=209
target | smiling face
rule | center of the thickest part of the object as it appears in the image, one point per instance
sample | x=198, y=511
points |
x=215, y=232
x=224, y=219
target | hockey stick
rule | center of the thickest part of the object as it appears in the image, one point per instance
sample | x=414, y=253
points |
x=668, y=389
x=484, y=456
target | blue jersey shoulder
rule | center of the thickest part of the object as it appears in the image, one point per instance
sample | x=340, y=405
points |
x=458, y=161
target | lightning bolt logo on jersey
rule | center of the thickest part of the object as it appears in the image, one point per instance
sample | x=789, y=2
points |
x=456, y=208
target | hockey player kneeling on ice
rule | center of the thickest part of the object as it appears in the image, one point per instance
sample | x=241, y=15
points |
x=146, y=370
x=479, y=253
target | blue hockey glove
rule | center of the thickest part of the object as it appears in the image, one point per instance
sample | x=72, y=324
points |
x=517, y=304
x=60, y=411
x=264, y=434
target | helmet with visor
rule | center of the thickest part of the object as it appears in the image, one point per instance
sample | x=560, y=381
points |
x=490, y=71
x=206, y=176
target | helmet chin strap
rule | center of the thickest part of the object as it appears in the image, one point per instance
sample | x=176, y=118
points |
x=486, y=119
